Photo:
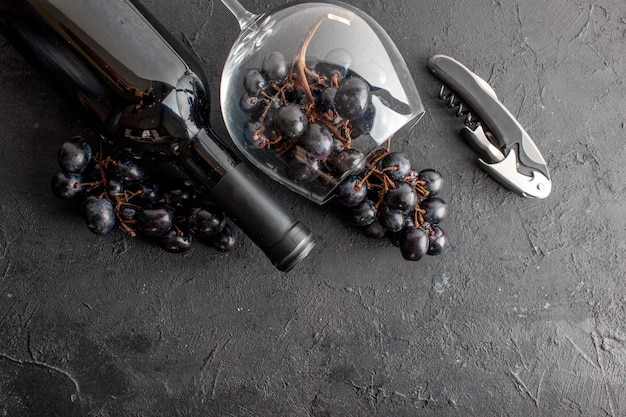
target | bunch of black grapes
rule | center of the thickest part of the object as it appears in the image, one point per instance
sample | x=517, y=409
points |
x=116, y=190
x=311, y=118
x=390, y=198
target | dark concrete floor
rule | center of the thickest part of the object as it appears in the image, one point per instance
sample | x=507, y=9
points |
x=523, y=315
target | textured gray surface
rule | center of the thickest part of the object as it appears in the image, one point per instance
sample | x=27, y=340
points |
x=523, y=315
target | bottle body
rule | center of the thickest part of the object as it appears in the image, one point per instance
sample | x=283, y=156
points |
x=147, y=95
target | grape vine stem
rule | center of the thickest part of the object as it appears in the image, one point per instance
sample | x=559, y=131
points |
x=300, y=59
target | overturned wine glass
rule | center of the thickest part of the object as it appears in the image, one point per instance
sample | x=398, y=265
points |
x=310, y=89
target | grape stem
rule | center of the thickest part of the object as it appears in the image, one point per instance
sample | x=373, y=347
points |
x=300, y=59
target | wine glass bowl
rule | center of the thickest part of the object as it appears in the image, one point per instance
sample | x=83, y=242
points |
x=310, y=89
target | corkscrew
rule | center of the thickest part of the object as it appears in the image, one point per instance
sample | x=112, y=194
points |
x=507, y=151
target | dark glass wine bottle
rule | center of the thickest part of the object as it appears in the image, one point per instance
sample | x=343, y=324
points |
x=145, y=93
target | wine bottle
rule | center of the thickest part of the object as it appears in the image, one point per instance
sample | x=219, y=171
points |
x=146, y=94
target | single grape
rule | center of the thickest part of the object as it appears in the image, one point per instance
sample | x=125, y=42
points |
x=67, y=186
x=206, y=221
x=436, y=210
x=182, y=194
x=128, y=212
x=396, y=165
x=74, y=155
x=392, y=219
x=99, y=215
x=352, y=98
x=433, y=180
x=226, y=240
x=414, y=243
x=176, y=241
x=326, y=99
x=348, y=160
x=128, y=172
x=403, y=197
x=364, y=124
x=437, y=241
x=363, y=214
x=114, y=187
x=303, y=170
x=149, y=192
x=270, y=132
x=252, y=136
x=351, y=192
x=374, y=230
x=317, y=141
x=291, y=121
x=275, y=66
x=156, y=219
x=249, y=103
x=254, y=82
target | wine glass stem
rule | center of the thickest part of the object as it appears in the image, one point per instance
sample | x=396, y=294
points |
x=244, y=17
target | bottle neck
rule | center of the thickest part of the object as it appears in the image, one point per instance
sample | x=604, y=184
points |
x=206, y=158
x=236, y=191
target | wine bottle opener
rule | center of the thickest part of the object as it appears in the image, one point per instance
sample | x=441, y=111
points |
x=507, y=152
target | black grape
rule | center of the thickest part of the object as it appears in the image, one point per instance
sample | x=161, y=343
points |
x=249, y=103
x=74, y=155
x=226, y=240
x=436, y=210
x=156, y=219
x=128, y=212
x=128, y=171
x=414, y=243
x=114, y=187
x=291, y=121
x=392, y=219
x=404, y=197
x=176, y=241
x=275, y=66
x=317, y=141
x=251, y=135
x=348, y=160
x=206, y=221
x=99, y=215
x=352, y=98
x=350, y=192
x=149, y=192
x=364, y=124
x=437, y=241
x=67, y=186
x=303, y=170
x=182, y=194
x=375, y=230
x=326, y=99
x=396, y=165
x=254, y=82
x=433, y=180
x=363, y=214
